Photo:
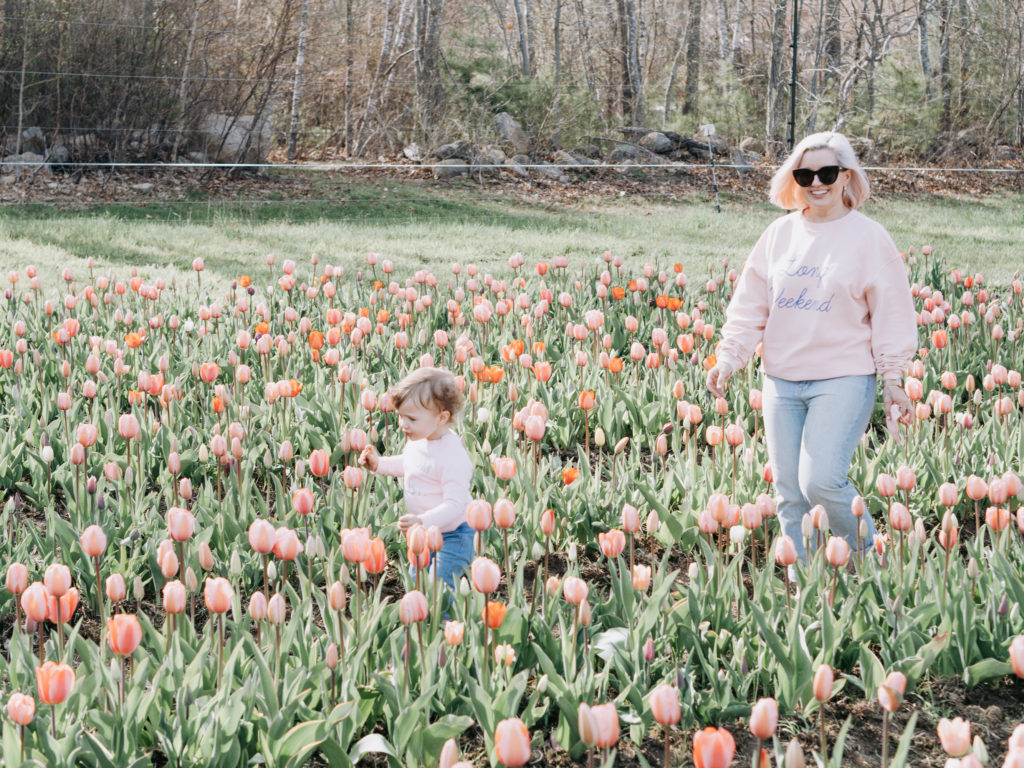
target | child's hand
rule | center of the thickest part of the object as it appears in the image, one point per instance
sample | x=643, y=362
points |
x=369, y=458
x=405, y=522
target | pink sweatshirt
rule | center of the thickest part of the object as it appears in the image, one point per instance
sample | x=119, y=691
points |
x=437, y=476
x=828, y=299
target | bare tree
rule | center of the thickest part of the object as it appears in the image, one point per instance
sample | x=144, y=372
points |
x=945, y=8
x=775, y=104
x=429, y=93
x=691, y=91
x=524, y=37
x=923, y=7
x=300, y=61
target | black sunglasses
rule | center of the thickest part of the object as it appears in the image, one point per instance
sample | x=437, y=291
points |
x=826, y=174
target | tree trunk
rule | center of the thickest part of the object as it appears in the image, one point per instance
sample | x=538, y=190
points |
x=775, y=106
x=945, y=8
x=583, y=34
x=636, y=82
x=349, y=81
x=922, y=39
x=833, y=42
x=426, y=53
x=528, y=4
x=965, y=55
x=183, y=83
x=722, y=29
x=736, y=45
x=691, y=91
x=524, y=37
x=300, y=61
x=625, y=81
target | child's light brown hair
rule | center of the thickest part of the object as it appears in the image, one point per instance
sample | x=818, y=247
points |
x=429, y=387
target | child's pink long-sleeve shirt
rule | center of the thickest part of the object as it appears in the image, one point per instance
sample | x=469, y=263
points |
x=437, y=477
x=829, y=299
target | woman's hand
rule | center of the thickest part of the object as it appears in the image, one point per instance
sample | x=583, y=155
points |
x=894, y=395
x=369, y=458
x=718, y=378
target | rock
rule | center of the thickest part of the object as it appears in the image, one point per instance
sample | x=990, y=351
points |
x=511, y=132
x=26, y=162
x=490, y=156
x=59, y=155
x=656, y=142
x=461, y=150
x=624, y=153
x=587, y=150
x=718, y=145
x=552, y=172
x=514, y=167
x=226, y=139
x=753, y=158
x=144, y=188
x=750, y=144
x=522, y=159
x=413, y=152
x=1005, y=152
x=197, y=157
x=561, y=157
x=450, y=168
x=83, y=145
x=7, y=179
x=967, y=138
x=33, y=140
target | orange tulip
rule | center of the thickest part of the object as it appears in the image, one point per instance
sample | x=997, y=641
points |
x=586, y=399
x=547, y=522
x=512, y=742
x=376, y=560
x=54, y=682
x=59, y=610
x=124, y=633
x=569, y=475
x=494, y=614
x=713, y=748
x=319, y=462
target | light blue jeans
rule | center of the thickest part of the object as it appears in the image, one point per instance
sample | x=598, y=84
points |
x=812, y=428
x=454, y=557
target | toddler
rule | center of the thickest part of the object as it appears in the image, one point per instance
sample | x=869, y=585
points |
x=434, y=464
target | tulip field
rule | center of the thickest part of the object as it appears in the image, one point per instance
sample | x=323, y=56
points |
x=199, y=573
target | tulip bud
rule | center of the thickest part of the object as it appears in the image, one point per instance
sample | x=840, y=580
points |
x=649, y=650
x=331, y=657
x=191, y=582
x=138, y=589
x=794, y=755
x=599, y=437
x=235, y=565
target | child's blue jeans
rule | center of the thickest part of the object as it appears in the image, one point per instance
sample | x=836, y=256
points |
x=454, y=557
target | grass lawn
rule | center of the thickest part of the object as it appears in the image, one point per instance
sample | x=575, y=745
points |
x=422, y=223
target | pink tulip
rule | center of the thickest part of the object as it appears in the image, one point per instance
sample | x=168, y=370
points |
x=764, y=718
x=822, y=684
x=664, y=704
x=955, y=736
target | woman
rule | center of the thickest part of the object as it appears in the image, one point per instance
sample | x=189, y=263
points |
x=826, y=290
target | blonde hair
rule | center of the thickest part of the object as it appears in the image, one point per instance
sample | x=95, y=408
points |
x=430, y=387
x=783, y=192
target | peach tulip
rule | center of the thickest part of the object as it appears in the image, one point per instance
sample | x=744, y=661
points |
x=124, y=633
x=955, y=736
x=504, y=468
x=764, y=718
x=276, y=609
x=174, y=594
x=547, y=522
x=21, y=708
x=575, y=590
x=890, y=693
x=664, y=704
x=612, y=543
x=713, y=748
x=837, y=551
x=218, y=594
x=512, y=742
x=258, y=606
x=17, y=578
x=1017, y=655
x=302, y=501
x=413, y=607
x=886, y=485
x=822, y=684
x=94, y=541
x=286, y=544
x=485, y=575
x=454, y=632
x=504, y=513
x=785, y=551
x=54, y=682
x=377, y=558
x=34, y=601
x=641, y=577
x=261, y=536
x=320, y=463
x=180, y=523
x=478, y=514
x=115, y=587
x=977, y=489
x=948, y=494
x=57, y=579
x=630, y=518
x=606, y=720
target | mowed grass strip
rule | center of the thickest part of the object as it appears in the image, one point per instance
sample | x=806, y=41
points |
x=416, y=225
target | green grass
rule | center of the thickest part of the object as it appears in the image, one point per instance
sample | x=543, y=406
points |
x=417, y=224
